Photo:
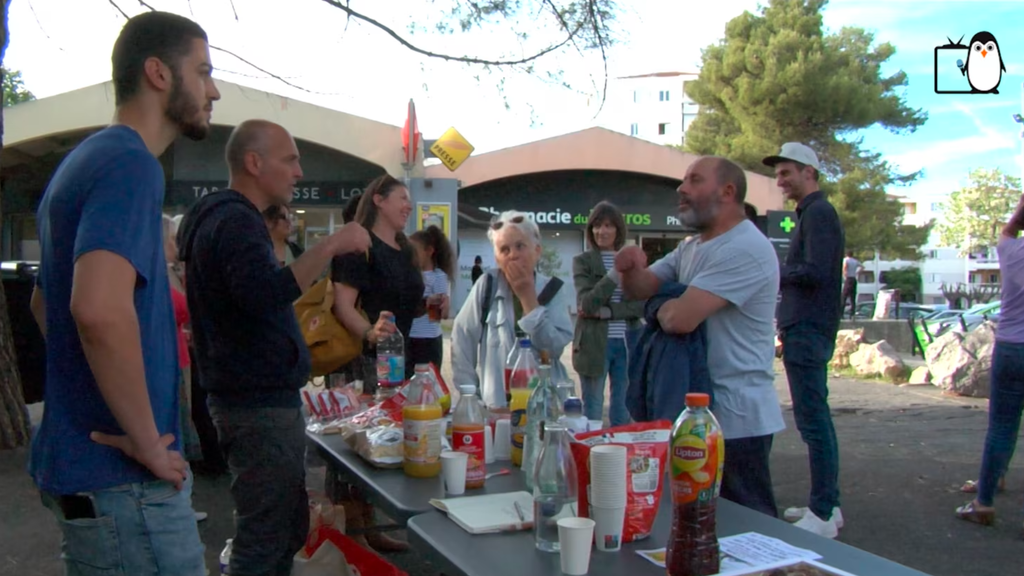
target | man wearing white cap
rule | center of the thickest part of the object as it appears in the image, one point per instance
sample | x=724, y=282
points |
x=808, y=320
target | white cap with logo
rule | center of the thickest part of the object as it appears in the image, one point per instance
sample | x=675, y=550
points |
x=794, y=152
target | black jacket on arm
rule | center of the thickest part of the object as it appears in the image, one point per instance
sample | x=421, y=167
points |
x=248, y=344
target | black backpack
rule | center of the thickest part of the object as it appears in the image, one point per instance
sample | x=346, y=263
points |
x=546, y=295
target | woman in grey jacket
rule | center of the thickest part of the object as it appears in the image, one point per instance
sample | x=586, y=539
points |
x=480, y=344
x=607, y=321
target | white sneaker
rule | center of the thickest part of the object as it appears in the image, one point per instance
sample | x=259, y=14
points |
x=815, y=525
x=200, y=516
x=795, y=514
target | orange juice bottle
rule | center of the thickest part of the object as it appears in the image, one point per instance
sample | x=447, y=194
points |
x=422, y=425
x=524, y=380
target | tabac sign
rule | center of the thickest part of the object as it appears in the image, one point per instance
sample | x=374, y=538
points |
x=452, y=149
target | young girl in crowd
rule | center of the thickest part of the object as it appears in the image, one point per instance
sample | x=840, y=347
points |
x=437, y=262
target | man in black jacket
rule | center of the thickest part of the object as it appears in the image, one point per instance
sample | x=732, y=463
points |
x=249, y=346
x=808, y=320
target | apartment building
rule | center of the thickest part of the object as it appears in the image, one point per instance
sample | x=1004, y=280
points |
x=653, y=107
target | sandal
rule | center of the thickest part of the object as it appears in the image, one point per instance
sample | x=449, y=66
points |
x=971, y=486
x=971, y=513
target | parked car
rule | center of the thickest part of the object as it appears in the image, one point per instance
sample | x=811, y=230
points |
x=866, y=310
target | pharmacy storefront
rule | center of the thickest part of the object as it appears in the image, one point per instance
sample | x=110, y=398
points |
x=560, y=204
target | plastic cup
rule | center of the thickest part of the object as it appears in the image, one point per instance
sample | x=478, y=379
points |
x=503, y=439
x=575, y=538
x=595, y=425
x=453, y=468
x=608, y=527
x=488, y=445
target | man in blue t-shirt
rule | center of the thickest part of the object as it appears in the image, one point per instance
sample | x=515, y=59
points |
x=106, y=456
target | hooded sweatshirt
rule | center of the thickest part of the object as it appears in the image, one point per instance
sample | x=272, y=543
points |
x=249, y=348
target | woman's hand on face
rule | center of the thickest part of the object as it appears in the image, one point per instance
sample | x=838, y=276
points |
x=520, y=279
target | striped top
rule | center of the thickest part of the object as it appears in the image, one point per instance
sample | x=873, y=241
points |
x=616, y=328
x=434, y=282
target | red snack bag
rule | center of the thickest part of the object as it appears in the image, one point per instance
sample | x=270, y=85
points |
x=647, y=447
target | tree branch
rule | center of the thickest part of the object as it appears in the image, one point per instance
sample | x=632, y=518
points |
x=467, y=59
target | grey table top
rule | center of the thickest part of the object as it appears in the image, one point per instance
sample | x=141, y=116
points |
x=395, y=494
x=457, y=552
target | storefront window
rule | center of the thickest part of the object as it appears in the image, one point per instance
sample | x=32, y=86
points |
x=311, y=225
x=20, y=238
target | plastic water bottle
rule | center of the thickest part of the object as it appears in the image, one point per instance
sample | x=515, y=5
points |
x=225, y=558
x=543, y=408
x=391, y=359
x=573, y=419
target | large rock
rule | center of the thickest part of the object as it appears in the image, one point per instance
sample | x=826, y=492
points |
x=847, y=342
x=920, y=375
x=962, y=364
x=878, y=359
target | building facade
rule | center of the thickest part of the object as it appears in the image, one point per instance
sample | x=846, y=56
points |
x=653, y=107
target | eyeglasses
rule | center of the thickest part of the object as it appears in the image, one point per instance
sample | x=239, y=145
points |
x=499, y=223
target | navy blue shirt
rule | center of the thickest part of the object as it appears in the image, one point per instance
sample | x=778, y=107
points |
x=107, y=195
x=811, y=278
x=249, y=348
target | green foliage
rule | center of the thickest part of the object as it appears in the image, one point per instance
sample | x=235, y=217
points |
x=14, y=88
x=907, y=280
x=549, y=263
x=779, y=77
x=974, y=215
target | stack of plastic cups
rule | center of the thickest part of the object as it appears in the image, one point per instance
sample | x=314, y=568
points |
x=608, y=495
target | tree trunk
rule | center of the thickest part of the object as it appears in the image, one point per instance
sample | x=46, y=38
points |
x=14, y=422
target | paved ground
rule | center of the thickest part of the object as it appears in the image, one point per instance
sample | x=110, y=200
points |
x=905, y=451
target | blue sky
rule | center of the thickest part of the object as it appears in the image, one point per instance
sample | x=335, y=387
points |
x=963, y=131
x=60, y=46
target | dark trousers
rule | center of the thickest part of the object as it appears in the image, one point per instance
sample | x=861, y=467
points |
x=849, y=293
x=212, y=461
x=806, y=351
x=1006, y=401
x=747, y=477
x=265, y=449
x=424, y=351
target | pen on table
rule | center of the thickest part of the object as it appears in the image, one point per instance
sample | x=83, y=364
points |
x=519, y=511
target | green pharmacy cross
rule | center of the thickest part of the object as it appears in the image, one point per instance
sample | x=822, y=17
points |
x=787, y=224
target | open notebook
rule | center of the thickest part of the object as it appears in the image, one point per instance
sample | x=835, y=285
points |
x=489, y=513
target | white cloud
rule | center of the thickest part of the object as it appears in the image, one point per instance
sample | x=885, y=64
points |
x=944, y=151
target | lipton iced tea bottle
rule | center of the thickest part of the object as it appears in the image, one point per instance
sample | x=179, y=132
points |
x=468, y=435
x=524, y=379
x=697, y=458
x=422, y=425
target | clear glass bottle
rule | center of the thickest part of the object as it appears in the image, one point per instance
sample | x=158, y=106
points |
x=555, y=487
x=544, y=407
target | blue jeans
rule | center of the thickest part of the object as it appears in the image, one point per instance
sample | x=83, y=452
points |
x=265, y=449
x=144, y=529
x=616, y=364
x=1004, y=409
x=806, y=351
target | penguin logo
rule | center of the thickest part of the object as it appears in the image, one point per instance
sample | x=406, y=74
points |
x=983, y=70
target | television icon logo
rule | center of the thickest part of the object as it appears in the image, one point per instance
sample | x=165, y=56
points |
x=978, y=66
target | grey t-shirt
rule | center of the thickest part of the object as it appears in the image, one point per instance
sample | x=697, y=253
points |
x=741, y=267
x=852, y=264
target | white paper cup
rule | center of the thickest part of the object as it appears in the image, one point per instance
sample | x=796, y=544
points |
x=595, y=425
x=575, y=538
x=453, y=469
x=503, y=439
x=608, y=527
x=488, y=445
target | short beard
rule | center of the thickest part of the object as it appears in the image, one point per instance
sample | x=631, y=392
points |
x=182, y=111
x=703, y=217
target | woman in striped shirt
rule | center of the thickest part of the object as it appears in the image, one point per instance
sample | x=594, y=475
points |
x=437, y=262
x=606, y=319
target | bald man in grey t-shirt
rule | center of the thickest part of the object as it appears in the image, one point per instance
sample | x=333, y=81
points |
x=732, y=276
